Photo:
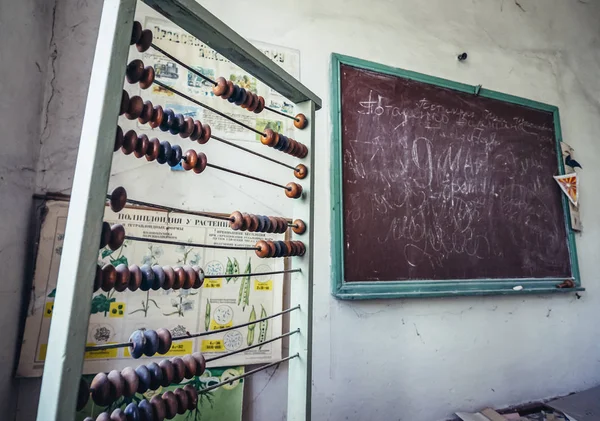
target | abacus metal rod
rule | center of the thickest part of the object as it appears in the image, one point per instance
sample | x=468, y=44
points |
x=182, y=243
x=247, y=373
x=281, y=113
x=189, y=98
x=247, y=176
x=285, y=335
x=195, y=335
x=252, y=152
x=239, y=275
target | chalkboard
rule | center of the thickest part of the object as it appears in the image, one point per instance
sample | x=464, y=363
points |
x=438, y=184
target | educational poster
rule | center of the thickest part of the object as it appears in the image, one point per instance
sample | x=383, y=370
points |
x=202, y=58
x=221, y=302
x=221, y=404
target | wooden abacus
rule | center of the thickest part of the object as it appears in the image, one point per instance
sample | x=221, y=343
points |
x=80, y=275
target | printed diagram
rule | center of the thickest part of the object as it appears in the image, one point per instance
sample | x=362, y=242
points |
x=167, y=70
x=223, y=315
x=214, y=268
x=232, y=340
x=233, y=268
x=100, y=333
x=244, y=293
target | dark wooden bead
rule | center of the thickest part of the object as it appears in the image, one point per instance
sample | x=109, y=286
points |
x=147, y=113
x=147, y=277
x=190, y=277
x=260, y=106
x=201, y=164
x=135, y=277
x=241, y=98
x=169, y=277
x=253, y=103
x=117, y=384
x=262, y=249
x=83, y=395
x=293, y=190
x=247, y=221
x=261, y=223
x=109, y=277
x=230, y=90
x=164, y=152
x=236, y=220
x=165, y=124
x=301, y=171
x=192, y=396
x=123, y=275
x=189, y=160
x=249, y=99
x=142, y=146
x=124, y=102
x=206, y=133
x=178, y=369
x=300, y=226
x=160, y=410
x=268, y=138
x=103, y=416
x=153, y=150
x=253, y=223
x=147, y=77
x=157, y=117
x=175, y=157
x=130, y=141
x=134, y=71
x=168, y=372
x=170, y=404
x=201, y=363
x=302, y=248
x=118, y=199
x=117, y=237
x=159, y=277
x=136, y=32
x=221, y=87
x=131, y=380
x=118, y=139
x=146, y=410
x=98, y=278
x=190, y=366
x=151, y=345
x=144, y=378
x=100, y=390
x=118, y=415
x=300, y=122
x=156, y=376
x=188, y=127
x=104, y=234
x=134, y=110
x=199, y=277
x=303, y=151
x=294, y=147
x=182, y=400
x=236, y=93
x=180, y=276
x=176, y=123
x=272, y=248
x=145, y=41
x=272, y=225
x=278, y=249
x=197, y=133
x=132, y=412
x=165, y=340
x=138, y=341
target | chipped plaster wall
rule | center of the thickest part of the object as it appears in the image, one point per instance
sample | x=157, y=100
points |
x=412, y=360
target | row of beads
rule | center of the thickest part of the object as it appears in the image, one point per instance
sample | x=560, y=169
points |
x=280, y=248
x=112, y=237
x=149, y=342
x=136, y=72
x=107, y=388
x=147, y=277
x=141, y=38
x=239, y=96
x=284, y=143
x=261, y=223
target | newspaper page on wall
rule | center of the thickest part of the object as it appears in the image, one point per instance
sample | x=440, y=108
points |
x=220, y=303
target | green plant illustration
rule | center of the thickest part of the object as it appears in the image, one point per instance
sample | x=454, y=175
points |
x=262, y=335
x=250, y=337
x=182, y=303
x=186, y=259
x=207, y=316
x=150, y=258
x=244, y=293
x=101, y=304
x=233, y=268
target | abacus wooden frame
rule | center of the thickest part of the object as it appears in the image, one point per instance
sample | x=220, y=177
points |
x=64, y=360
x=428, y=288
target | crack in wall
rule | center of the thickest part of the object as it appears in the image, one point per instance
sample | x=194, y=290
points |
x=53, y=56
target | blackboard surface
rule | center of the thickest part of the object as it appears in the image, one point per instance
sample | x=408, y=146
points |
x=445, y=185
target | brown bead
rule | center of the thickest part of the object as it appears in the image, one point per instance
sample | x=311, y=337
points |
x=98, y=278
x=131, y=381
x=201, y=363
x=130, y=140
x=241, y=96
x=160, y=410
x=180, y=277
x=229, y=91
x=247, y=221
x=165, y=340
x=124, y=102
x=182, y=400
x=134, y=110
x=253, y=223
x=188, y=127
x=236, y=220
x=289, y=250
x=169, y=277
x=302, y=248
x=294, y=248
x=117, y=236
x=136, y=32
x=260, y=106
x=273, y=226
x=147, y=77
x=109, y=277
x=293, y=190
x=190, y=366
x=253, y=102
x=168, y=372
x=135, y=277
x=134, y=71
x=192, y=396
x=100, y=390
x=104, y=234
x=201, y=164
x=83, y=394
x=117, y=384
x=300, y=227
x=117, y=415
x=294, y=149
x=301, y=171
x=199, y=277
x=221, y=87
x=190, y=278
x=122, y=281
x=118, y=199
x=179, y=369
x=206, y=133
x=197, y=133
x=118, y=139
x=289, y=146
x=282, y=227
x=153, y=149
x=157, y=116
x=145, y=41
x=300, y=122
x=103, y=416
x=272, y=249
x=142, y=146
x=262, y=249
x=147, y=113
x=170, y=404
x=190, y=159
x=268, y=138
x=303, y=151
x=249, y=100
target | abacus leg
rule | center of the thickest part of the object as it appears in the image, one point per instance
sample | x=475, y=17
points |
x=64, y=360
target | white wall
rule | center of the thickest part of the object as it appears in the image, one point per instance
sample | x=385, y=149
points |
x=415, y=360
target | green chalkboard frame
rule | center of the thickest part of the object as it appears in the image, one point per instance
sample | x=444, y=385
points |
x=428, y=288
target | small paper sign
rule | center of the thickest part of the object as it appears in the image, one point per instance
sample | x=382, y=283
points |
x=569, y=184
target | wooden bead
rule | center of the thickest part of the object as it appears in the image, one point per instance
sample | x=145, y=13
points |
x=169, y=277
x=135, y=107
x=151, y=343
x=109, y=277
x=180, y=277
x=197, y=133
x=103, y=416
x=249, y=99
x=118, y=199
x=175, y=157
x=117, y=384
x=118, y=415
x=206, y=133
x=262, y=249
x=168, y=372
x=201, y=164
x=135, y=277
x=234, y=95
x=268, y=138
x=190, y=159
x=247, y=221
x=182, y=400
x=104, y=234
x=100, y=389
x=190, y=366
x=138, y=342
x=301, y=171
x=165, y=124
x=136, y=32
x=293, y=190
x=303, y=151
x=132, y=412
x=170, y=404
x=253, y=223
x=188, y=127
x=146, y=410
x=142, y=146
x=165, y=340
x=159, y=277
x=201, y=363
x=156, y=376
x=157, y=116
x=273, y=224
x=260, y=106
x=302, y=248
x=221, y=87
x=131, y=382
x=300, y=122
x=241, y=98
x=134, y=71
x=153, y=149
x=289, y=147
x=294, y=147
x=230, y=90
x=117, y=236
x=147, y=277
x=236, y=220
x=199, y=277
x=190, y=277
x=192, y=396
x=164, y=152
x=282, y=227
x=300, y=227
x=130, y=140
x=83, y=395
x=267, y=225
x=124, y=102
x=98, y=278
x=122, y=281
x=179, y=369
x=262, y=223
x=147, y=113
x=145, y=40
x=272, y=249
x=176, y=124
x=289, y=249
x=147, y=77
x=144, y=378
x=160, y=410
x=253, y=103
x=118, y=139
